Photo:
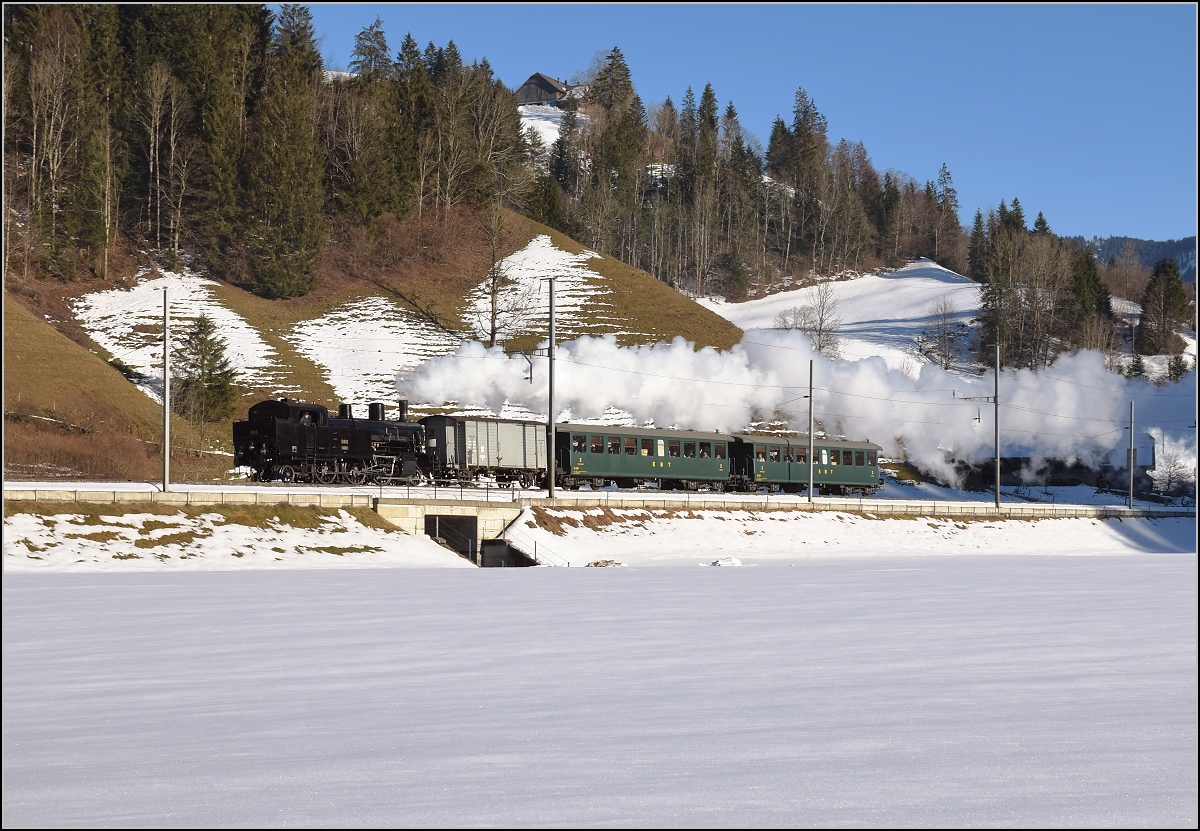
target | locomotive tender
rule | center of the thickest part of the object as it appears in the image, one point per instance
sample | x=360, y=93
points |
x=295, y=441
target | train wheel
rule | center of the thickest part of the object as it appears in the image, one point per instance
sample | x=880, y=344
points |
x=286, y=473
x=525, y=479
x=356, y=475
x=324, y=474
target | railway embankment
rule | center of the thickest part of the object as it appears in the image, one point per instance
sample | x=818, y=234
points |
x=413, y=504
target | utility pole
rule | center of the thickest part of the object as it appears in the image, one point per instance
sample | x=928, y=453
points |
x=996, y=399
x=811, y=460
x=1132, y=451
x=550, y=461
x=166, y=442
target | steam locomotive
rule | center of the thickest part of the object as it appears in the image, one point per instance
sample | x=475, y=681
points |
x=293, y=441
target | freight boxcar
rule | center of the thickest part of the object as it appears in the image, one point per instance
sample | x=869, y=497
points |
x=460, y=449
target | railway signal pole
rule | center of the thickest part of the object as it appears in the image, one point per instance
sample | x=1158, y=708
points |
x=1131, y=456
x=995, y=401
x=550, y=461
x=811, y=460
x=166, y=443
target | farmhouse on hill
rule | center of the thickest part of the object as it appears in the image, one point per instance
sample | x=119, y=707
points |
x=542, y=89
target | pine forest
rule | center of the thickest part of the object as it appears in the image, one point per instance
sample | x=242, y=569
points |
x=213, y=134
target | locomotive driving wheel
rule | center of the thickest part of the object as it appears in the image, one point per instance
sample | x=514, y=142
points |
x=286, y=473
x=324, y=473
x=356, y=475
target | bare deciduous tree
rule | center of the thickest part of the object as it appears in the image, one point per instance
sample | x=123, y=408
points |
x=57, y=50
x=1170, y=472
x=151, y=115
x=942, y=312
x=818, y=319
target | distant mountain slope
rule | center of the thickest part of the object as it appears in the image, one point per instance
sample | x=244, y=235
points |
x=1148, y=252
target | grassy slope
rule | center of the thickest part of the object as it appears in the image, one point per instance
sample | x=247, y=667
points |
x=67, y=411
x=648, y=306
x=104, y=427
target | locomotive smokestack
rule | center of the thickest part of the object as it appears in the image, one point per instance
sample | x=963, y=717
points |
x=403, y=410
x=345, y=411
x=375, y=411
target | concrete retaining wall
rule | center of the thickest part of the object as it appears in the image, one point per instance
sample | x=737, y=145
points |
x=493, y=517
x=866, y=507
x=354, y=500
x=409, y=515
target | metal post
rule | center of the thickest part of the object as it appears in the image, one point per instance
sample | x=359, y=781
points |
x=811, y=460
x=996, y=399
x=1131, y=452
x=550, y=461
x=166, y=443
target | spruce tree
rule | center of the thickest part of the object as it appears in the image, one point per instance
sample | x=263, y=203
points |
x=287, y=166
x=977, y=250
x=202, y=384
x=1164, y=309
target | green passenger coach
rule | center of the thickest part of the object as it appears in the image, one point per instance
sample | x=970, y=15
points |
x=596, y=455
x=781, y=464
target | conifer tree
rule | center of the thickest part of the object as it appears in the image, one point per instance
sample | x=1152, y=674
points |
x=1164, y=308
x=202, y=384
x=371, y=55
x=287, y=166
x=977, y=250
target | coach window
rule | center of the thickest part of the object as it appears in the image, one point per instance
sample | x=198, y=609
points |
x=661, y=448
x=860, y=458
x=689, y=450
x=578, y=444
x=673, y=448
x=647, y=447
x=871, y=458
x=802, y=454
x=774, y=453
x=760, y=452
x=614, y=445
x=825, y=456
x=720, y=449
x=630, y=447
x=705, y=450
x=847, y=457
x=597, y=444
x=787, y=454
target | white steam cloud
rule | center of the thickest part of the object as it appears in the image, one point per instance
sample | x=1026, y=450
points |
x=1077, y=409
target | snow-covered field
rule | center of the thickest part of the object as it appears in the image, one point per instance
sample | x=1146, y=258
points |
x=882, y=315
x=691, y=537
x=907, y=691
x=128, y=542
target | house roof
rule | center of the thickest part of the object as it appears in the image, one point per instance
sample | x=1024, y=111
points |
x=553, y=82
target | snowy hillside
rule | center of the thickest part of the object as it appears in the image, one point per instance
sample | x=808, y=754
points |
x=885, y=387
x=883, y=315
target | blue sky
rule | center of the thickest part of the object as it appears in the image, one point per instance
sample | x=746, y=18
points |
x=1084, y=112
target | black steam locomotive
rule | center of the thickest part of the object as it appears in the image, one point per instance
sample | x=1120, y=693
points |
x=293, y=441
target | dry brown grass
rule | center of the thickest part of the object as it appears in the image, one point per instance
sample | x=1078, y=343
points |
x=67, y=413
x=641, y=304
x=252, y=516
